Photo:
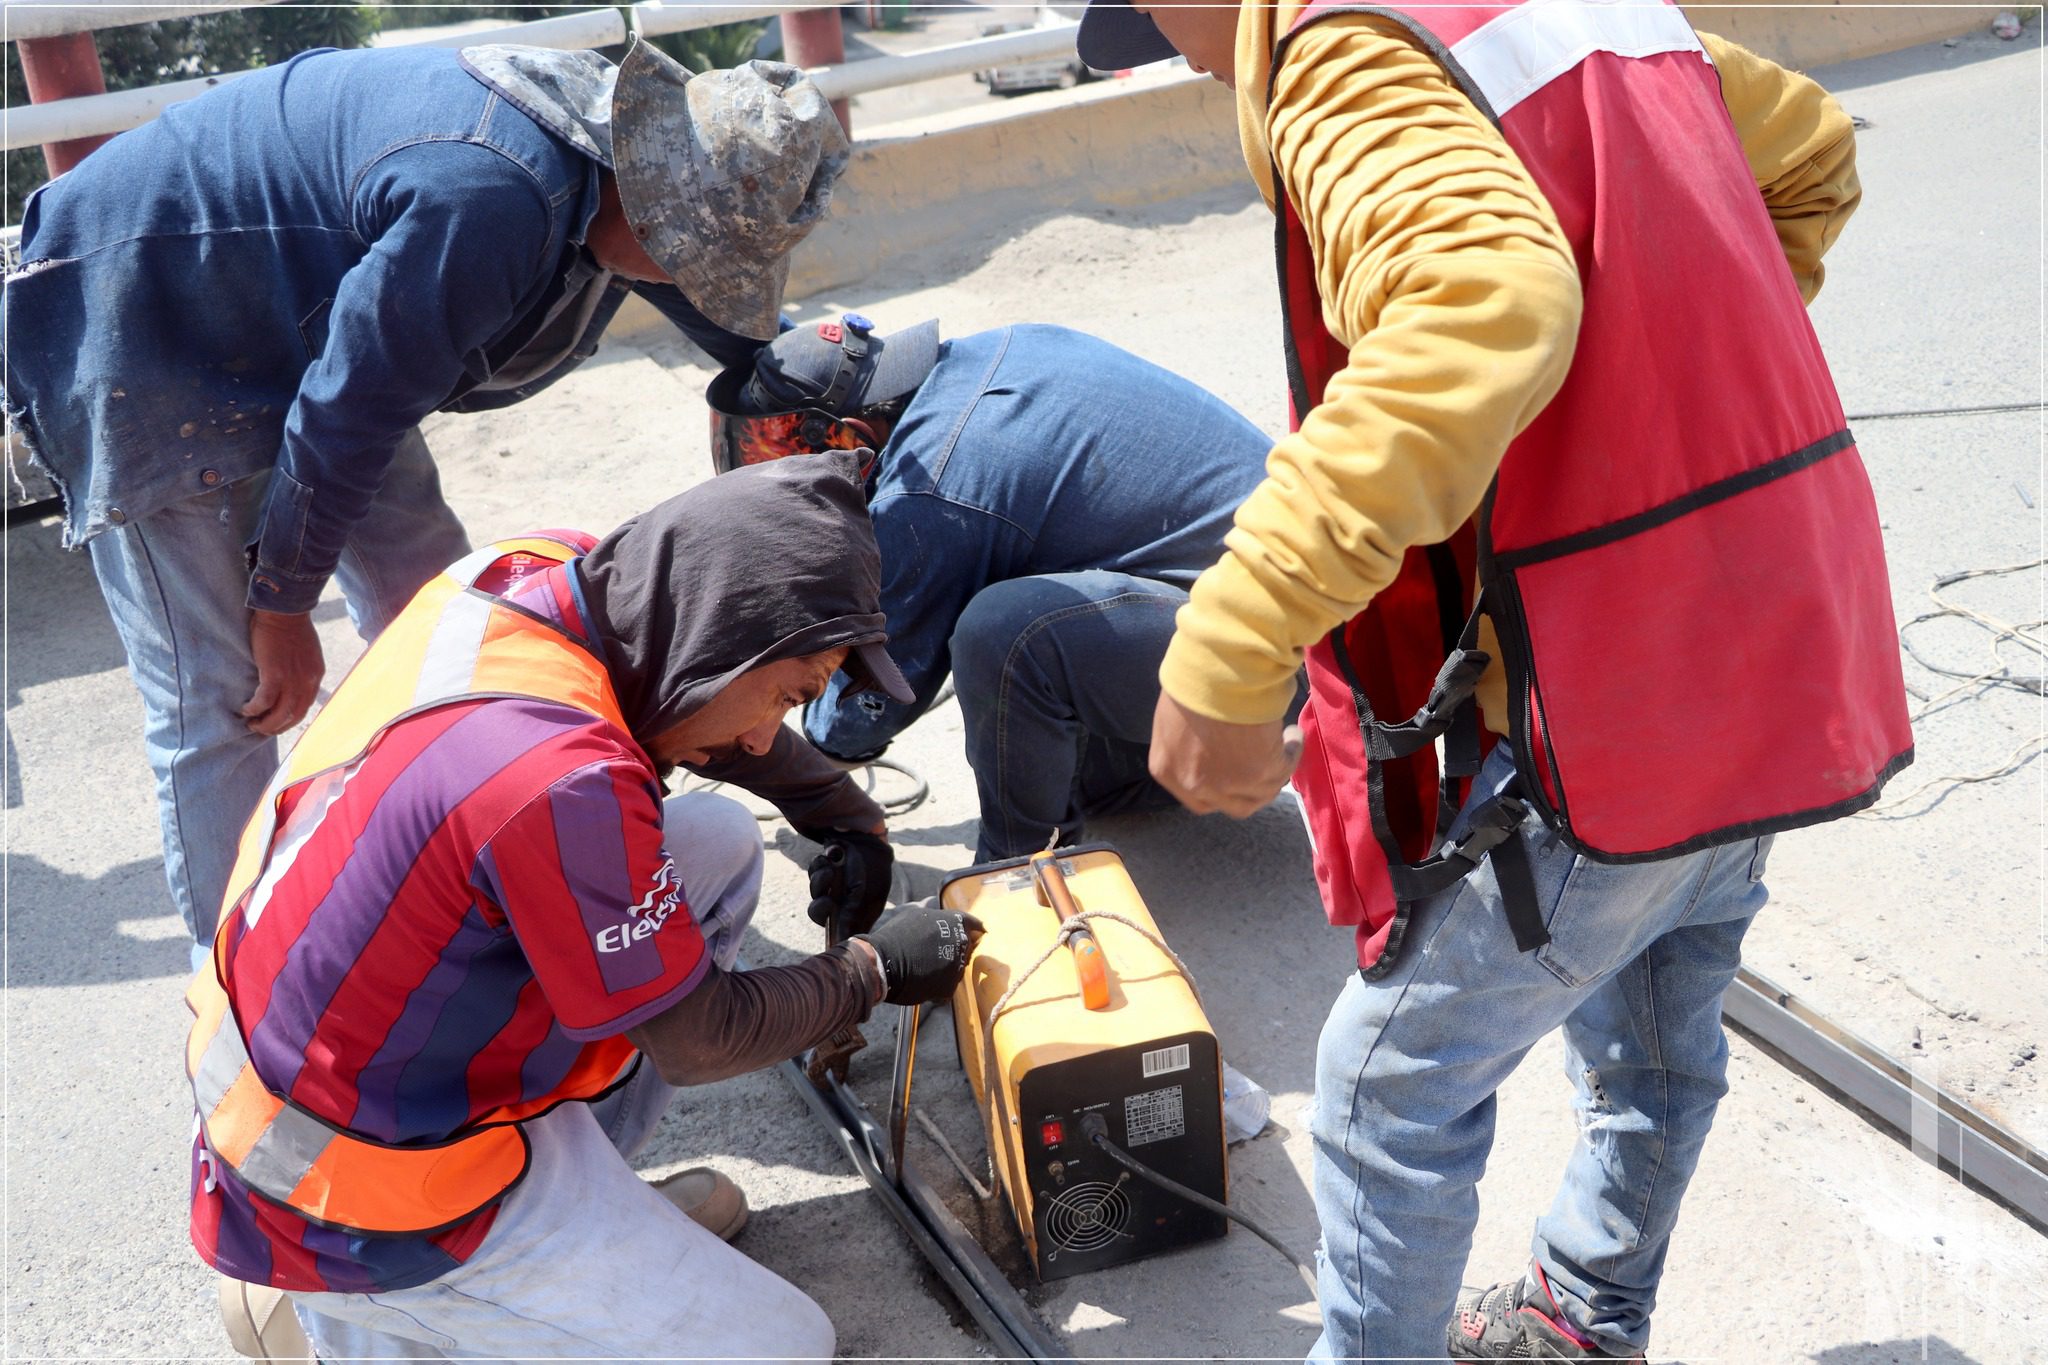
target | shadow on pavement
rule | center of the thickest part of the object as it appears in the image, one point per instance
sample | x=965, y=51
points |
x=1917, y=1350
x=68, y=930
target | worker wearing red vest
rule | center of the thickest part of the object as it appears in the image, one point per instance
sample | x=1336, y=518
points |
x=1571, y=496
x=462, y=915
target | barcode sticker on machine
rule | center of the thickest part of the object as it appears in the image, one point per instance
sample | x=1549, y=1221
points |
x=1154, y=1116
x=1162, y=1060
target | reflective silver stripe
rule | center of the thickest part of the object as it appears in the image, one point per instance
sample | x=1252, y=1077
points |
x=305, y=818
x=451, y=656
x=287, y=1150
x=466, y=569
x=223, y=1061
x=289, y=1144
x=1514, y=55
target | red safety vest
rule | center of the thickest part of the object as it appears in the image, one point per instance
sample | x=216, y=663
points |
x=1680, y=556
x=453, y=643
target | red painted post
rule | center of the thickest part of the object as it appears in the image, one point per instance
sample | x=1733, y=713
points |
x=56, y=69
x=811, y=37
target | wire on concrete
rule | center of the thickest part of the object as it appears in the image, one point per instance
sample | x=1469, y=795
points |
x=1976, y=410
x=2000, y=675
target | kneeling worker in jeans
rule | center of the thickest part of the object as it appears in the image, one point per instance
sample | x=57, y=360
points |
x=1042, y=500
x=467, y=949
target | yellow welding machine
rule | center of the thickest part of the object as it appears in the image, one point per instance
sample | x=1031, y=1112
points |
x=1074, y=1020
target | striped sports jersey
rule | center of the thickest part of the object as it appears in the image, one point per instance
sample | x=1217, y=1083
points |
x=415, y=957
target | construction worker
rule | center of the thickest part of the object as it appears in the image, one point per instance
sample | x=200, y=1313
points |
x=1042, y=501
x=468, y=950
x=1565, y=436
x=228, y=324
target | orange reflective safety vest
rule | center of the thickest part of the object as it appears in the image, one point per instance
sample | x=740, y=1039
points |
x=452, y=643
x=1680, y=556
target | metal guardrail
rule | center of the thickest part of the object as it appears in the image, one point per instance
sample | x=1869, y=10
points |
x=97, y=115
x=40, y=19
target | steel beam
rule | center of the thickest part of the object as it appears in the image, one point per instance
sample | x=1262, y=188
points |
x=1939, y=1125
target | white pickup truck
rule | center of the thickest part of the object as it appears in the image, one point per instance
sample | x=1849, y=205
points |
x=1051, y=73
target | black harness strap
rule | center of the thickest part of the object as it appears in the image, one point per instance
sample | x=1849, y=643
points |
x=1492, y=835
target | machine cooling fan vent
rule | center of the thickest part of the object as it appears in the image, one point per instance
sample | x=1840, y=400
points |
x=1088, y=1217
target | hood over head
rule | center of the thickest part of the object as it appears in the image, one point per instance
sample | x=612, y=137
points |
x=771, y=562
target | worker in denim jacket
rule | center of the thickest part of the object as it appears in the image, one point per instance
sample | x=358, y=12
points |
x=228, y=325
x=1043, y=501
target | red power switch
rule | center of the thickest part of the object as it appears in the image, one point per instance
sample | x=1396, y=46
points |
x=1051, y=1133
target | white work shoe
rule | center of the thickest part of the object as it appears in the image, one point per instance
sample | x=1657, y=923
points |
x=714, y=1202
x=261, y=1323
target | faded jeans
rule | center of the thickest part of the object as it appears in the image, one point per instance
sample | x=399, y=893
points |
x=1408, y=1065
x=1057, y=678
x=176, y=582
x=585, y=1260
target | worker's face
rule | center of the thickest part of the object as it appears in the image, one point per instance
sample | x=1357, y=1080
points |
x=1203, y=31
x=746, y=715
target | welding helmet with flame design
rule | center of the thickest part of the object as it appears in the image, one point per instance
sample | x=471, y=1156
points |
x=805, y=391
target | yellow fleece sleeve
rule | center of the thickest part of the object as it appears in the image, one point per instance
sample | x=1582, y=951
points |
x=1443, y=269
x=1801, y=148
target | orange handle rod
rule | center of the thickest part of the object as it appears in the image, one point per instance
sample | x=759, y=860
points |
x=1089, y=963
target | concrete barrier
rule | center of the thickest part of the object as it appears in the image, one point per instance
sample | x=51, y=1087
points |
x=931, y=183
x=1812, y=34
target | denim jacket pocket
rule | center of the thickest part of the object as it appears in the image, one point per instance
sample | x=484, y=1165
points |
x=313, y=329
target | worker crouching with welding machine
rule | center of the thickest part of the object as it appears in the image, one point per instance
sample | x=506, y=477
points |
x=467, y=949
x=1566, y=437
x=1042, y=501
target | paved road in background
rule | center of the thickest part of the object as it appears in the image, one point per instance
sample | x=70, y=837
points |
x=1809, y=1235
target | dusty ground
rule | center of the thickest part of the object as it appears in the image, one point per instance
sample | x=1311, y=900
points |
x=1809, y=1236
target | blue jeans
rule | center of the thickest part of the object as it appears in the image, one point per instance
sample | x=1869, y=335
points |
x=176, y=582
x=1408, y=1065
x=1057, y=678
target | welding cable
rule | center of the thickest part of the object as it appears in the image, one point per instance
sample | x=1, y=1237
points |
x=1095, y=1129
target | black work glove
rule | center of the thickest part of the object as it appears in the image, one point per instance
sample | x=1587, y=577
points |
x=923, y=951
x=850, y=882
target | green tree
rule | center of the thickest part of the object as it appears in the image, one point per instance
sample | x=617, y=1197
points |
x=180, y=49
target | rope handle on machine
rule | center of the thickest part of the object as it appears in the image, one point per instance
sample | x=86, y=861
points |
x=1074, y=927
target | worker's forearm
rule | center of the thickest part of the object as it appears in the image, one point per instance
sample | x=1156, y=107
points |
x=1801, y=148
x=732, y=1023
x=1399, y=453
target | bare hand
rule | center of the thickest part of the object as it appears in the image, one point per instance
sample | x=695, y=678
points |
x=1212, y=765
x=289, y=667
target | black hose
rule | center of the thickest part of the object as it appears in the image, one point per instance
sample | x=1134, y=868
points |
x=1096, y=1130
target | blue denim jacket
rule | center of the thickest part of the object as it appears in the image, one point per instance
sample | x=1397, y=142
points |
x=292, y=271
x=1035, y=450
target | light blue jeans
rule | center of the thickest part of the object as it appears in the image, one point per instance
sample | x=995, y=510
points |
x=176, y=581
x=1408, y=1065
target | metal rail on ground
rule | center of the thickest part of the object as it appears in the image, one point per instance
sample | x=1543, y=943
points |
x=958, y=1260
x=1939, y=1125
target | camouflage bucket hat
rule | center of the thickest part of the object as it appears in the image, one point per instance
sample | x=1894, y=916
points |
x=721, y=175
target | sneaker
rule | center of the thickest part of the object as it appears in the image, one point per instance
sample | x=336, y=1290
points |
x=1519, y=1320
x=261, y=1323
x=714, y=1202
